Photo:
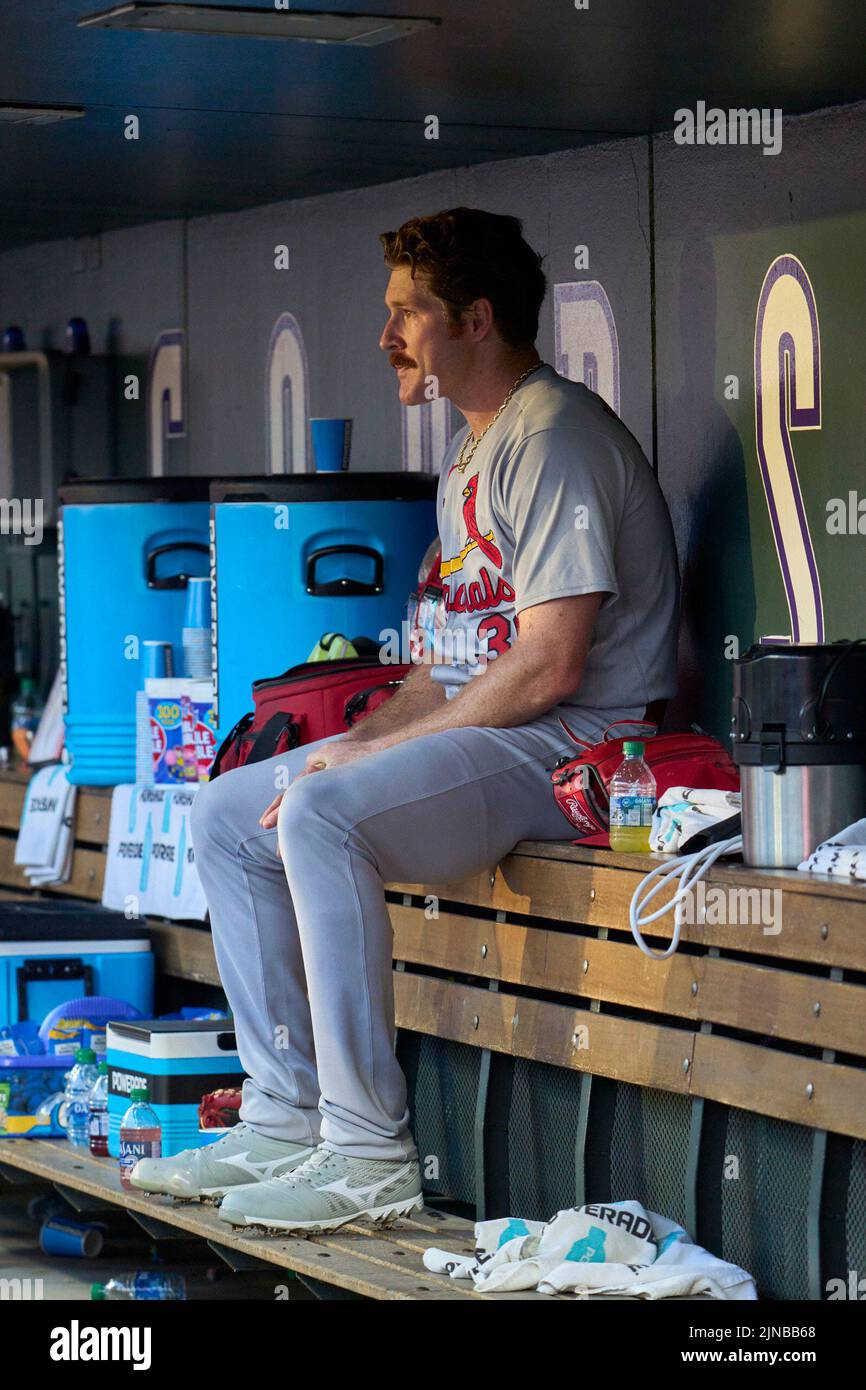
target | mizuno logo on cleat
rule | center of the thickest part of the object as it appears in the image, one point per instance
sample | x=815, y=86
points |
x=263, y=1169
x=365, y=1192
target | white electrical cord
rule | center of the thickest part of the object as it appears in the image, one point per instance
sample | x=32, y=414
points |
x=689, y=868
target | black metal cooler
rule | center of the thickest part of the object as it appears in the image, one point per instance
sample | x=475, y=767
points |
x=798, y=730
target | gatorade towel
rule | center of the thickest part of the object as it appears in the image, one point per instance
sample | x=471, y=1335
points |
x=684, y=812
x=151, y=862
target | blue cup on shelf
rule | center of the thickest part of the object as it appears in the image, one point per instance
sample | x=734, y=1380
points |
x=332, y=441
x=157, y=658
x=197, y=612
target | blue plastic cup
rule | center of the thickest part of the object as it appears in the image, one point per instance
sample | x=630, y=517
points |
x=332, y=441
x=157, y=659
x=197, y=603
x=59, y=1237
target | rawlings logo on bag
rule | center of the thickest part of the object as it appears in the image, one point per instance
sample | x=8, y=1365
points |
x=578, y=816
x=581, y=785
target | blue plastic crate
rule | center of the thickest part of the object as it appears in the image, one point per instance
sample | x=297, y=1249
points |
x=32, y=1081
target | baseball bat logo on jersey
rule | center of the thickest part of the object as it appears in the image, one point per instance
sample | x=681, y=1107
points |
x=475, y=539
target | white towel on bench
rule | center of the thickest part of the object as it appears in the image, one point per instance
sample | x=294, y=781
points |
x=844, y=856
x=617, y=1247
x=44, y=845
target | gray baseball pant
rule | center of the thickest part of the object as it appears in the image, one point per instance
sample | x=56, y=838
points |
x=304, y=946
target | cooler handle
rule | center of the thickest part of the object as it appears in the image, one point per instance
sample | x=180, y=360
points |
x=170, y=581
x=57, y=968
x=344, y=586
x=820, y=726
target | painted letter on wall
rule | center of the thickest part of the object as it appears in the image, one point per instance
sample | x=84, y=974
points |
x=426, y=432
x=587, y=347
x=165, y=412
x=788, y=398
x=287, y=399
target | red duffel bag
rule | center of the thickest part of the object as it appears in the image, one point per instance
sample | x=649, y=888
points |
x=581, y=784
x=314, y=700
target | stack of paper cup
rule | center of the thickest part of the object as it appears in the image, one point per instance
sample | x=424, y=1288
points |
x=196, y=630
x=143, y=746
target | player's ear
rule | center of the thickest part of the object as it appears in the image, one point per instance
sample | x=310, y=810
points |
x=479, y=318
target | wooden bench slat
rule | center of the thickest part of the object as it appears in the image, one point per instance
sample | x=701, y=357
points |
x=646, y=1054
x=92, y=810
x=777, y=1083
x=756, y=998
x=186, y=953
x=88, y=872
x=816, y=927
x=791, y=880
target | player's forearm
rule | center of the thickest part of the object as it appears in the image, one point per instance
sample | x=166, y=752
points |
x=517, y=687
x=416, y=698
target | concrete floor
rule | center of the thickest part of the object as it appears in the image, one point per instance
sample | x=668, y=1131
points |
x=68, y=1279
x=62, y=1279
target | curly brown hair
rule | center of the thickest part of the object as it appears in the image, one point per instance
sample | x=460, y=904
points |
x=467, y=254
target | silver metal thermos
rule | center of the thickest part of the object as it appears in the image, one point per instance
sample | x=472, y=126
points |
x=798, y=734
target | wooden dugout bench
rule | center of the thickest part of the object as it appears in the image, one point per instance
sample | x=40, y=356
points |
x=550, y=1063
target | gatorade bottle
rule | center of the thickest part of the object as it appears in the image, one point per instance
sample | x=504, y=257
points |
x=632, y=802
x=140, y=1135
x=79, y=1083
x=141, y=1286
x=98, y=1116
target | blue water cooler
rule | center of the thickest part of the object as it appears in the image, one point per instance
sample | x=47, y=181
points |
x=126, y=548
x=298, y=555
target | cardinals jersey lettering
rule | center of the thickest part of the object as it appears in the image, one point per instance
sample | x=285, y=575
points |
x=557, y=500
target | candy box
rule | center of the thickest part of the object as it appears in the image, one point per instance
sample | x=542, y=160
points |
x=182, y=726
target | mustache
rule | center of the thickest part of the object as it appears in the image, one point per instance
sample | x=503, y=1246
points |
x=397, y=359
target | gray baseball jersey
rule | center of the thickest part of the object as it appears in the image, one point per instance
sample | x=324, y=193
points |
x=559, y=499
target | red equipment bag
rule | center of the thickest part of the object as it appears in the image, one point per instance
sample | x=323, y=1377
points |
x=310, y=701
x=581, y=785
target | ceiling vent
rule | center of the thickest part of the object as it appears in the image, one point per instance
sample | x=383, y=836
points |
x=18, y=113
x=306, y=26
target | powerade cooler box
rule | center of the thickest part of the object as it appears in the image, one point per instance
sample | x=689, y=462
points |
x=178, y=1062
x=56, y=949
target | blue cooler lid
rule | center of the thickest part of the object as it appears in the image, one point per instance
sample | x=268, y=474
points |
x=393, y=486
x=80, y=492
x=172, y=1037
x=64, y=920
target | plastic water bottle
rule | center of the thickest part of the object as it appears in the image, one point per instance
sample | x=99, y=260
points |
x=98, y=1114
x=79, y=1083
x=140, y=1135
x=632, y=802
x=142, y=1286
x=25, y=713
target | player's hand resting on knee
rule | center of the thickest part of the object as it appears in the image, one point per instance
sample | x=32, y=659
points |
x=329, y=755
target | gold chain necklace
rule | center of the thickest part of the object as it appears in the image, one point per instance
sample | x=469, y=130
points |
x=463, y=463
